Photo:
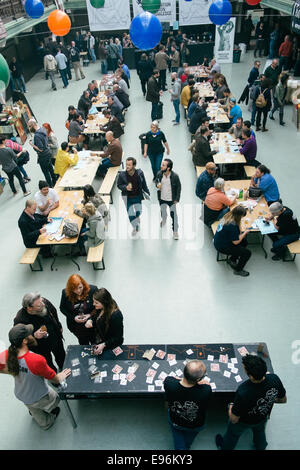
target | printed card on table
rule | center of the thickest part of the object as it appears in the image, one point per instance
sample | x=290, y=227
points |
x=117, y=369
x=149, y=380
x=243, y=351
x=210, y=357
x=130, y=377
x=215, y=367
x=171, y=357
x=213, y=385
x=223, y=358
x=189, y=352
x=151, y=388
x=238, y=378
x=162, y=375
x=227, y=374
x=151, y=373
x=117, y=351
x=155, y=365
x=160, y=354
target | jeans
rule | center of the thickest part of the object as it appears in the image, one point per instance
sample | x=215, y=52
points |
x=19, y=84
x=277, y=106
x=102, y=169
x=63, y=74
x=234, y=431
x=77, y=69
x=143, y=84
x=281, y=241
x=17, y=174
x=176, y=104
x=283, y=63
x=272, y=49
x=253, y=113
x=47, y=169
x=259, y=46
x=103, y=64
x=173, y=213
x=154, y=111
x=155, y=162
x=114, y=63
x=92, y=54
x=57, y=349
x=210, y=215
x=134, y=209
x=183, y=437
x=21, y=168
x=51, y=74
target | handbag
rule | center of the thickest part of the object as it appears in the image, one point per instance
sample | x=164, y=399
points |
x=70, y=229
x=254, y=192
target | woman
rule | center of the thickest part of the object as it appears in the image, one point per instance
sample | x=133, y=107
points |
x=119, y=47
x=94, y=235
x=144, y=70
x=52, y=141
x=230, y=241
x=154, y=147
x=89, y=195
x=216, y=203
x=77, y=304
x=106, y=322
x=103, y=57
x=76, y=129
x=279, y=97
x=263, y=106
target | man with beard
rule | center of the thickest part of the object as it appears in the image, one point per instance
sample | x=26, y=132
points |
x=47, y=330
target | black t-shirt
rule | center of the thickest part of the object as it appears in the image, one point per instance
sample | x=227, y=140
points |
x=225, y=235
x=287, y=223
x=253, y=402
x=154, y=141
x=187, y=406
x=134, y=180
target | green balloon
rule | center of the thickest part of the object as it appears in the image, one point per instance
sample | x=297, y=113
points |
x=151, y=5
x=97, y=3
x=4, y=74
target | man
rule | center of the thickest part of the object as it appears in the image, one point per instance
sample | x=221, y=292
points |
x=85, y=103
x=22, y=156
x=8, y=160
x=175, y=96
x=32, y=225
x=113, y=54
x=272, y=72
x=225, y=101
x=121, y=95
x=30, y=372
x=195, y=101
x=161, y=63
x=66, y=52
x=235, y=111
x=202, y=153
x=109, y=92
x=266, y=183
x=285, y=52
x=216, y=203
x=198, y=117
x=114, y=109
x=133, y=185
x=274, y=36
x=75, y=58
x=206, y=180
x=175, y=59
x=122, y=84
x=112, y=156
x=237, y=128
x=187, y=403
x=187, y=93
x=40, y=145
x=47, y=329
x=169, y=189
x=90, y=89
x=62, y=63
x=214, y=67
x=50, y=66
x=288, y=229
x=90, y=46
x=260, y=36
x=249, y=148
x=252, y=406
x=144, y=70
x=64, y=159
x=247, y=125
x=254, y=91
x=253, y=76
x=248, y=27
x=153, y=93
x=46, y=198
x=112, y=125
x=18, y=81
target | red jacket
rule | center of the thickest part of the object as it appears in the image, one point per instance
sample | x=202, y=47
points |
x=285, y=49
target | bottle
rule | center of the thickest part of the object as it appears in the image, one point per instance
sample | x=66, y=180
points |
x=241, y=194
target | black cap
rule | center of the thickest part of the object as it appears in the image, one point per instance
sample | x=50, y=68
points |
x=19, y=332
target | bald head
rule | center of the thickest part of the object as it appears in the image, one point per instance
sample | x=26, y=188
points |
x=194, y=371
x=109, y=136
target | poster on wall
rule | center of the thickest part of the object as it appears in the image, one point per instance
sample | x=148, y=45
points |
x=194, y=12
x=295, y=18
x=114, y=15
x=224, y=42
x=166, y=13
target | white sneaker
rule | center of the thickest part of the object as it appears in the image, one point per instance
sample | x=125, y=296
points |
x=175, y=236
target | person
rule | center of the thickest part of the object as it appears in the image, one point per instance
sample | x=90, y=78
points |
x=132, y=183
x=206, y=180
x=279, y=98
x=248, y=148
x=263, y=104
x=71, y=115
x=193, y=105
x=113, y=55
x=121, y=95
x=202, y=153
x=91, y=89
x=31, y=225
x=263, y=180
x=64, y=159
x=47, y=329
x=219, y=96
x=46, y=199
x=122, y=82
x=253, y=76
x=41, y=146
x=120, y=48
x=17, y=75
x=94, y=234
x=224, y=103
x=75, y=58
x=285, y=52
x=161, y=63
x=89, y=195
x=103, y=57
x=216, y=203
x=144, y=71
x=260, y=39
x=85, y=103
x=76, y=129
x=66, y=52
x=91, y=46
x=235, y=111
x=154, y=147
x=253, y=403
x=30, y=372
x=62, y=63
x=113, y=124
x=175, y=59
x=175, y=92
x=272, y=73
x=188, y=400
x=50, y=66
x=112, y=156
x=106, y=322
x=237, y=128
x=214, y=67
x=169, y=188
x=22, y=157
x=274, y=37
x=8, y=160
x=153, y=93
x=123, y=67
x=247, y=125
x=78, y=41
x=248, y=27
x=114, y=109
x=118, y=106
x=229, y=240
x=186, y=93
x=52, y=141
x=288, y=229
x=199, y=116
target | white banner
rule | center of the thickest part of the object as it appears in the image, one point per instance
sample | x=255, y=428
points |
x=194, y=12
x=166, y=13
x=113, y=16
x=224, y=42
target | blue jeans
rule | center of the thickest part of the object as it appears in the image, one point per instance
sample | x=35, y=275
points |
x=176, y=104
x=155, y=162
x=18, y=83
x=63, y=74
x=103, y=63
x=183, y=437
x=134, y=209
x=280, y=242
x=234, y=431
x=154, y=111
x=272, y=49
x=92, y=54
x=275, y=107
x=21, y=168
x=102, y=169
x=253, y=113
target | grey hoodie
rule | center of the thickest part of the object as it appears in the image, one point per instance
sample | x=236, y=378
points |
x=96, y=232
x=176, y=90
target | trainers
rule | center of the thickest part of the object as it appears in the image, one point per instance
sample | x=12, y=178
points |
x=282, y=123
x=264, y=129
x=271, y=117
x=219, y=441
x=134, y=232
x=27, y=193
x=276, y=258
x=56, y=411
x=175, y=236
x=176, y=124
x=241, y=273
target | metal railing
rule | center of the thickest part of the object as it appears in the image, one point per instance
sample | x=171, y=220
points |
x=13, y=9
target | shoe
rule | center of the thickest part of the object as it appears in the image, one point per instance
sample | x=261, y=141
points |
x=27, y=180
x=54, y=89
x=173, y=120
x=219, y=441
x=56, y=411
x=175, y=236
x=282, y=123
x=176, y=123
x=264, y=129
x=163, y=222
x=276, y=258
x=27, y=193
x=232, y=263
x=83, y=77
x=134, y=232
x=258, y=129
x=241, y=273
x=271, y=117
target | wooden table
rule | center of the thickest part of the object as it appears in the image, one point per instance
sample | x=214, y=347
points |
x=106, y=80
x=198, y=71
x=223, y=142
x=101, y=100
x=84, y=172
x=92, y=126
x=205, y=90
x=217, y=114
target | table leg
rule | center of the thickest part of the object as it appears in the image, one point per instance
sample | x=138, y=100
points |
x=69, y=412
x=262, y=245
x=54, y=257
x=72, y=259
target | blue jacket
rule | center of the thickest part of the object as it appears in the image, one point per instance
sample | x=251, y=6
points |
x=204, y=182
x=254, y=73
x=269, y=187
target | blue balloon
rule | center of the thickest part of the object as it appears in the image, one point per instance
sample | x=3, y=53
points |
x=145, y=31
x=34, y=8
x=220, y=12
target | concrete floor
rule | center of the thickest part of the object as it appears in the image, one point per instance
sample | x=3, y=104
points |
x=168, y=291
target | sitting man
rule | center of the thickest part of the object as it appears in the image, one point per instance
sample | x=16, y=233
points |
x=121, y=95
x=112, y=156
x=235, y=111
x=266, y=183
x=216, y=203
x=287, y=226
x=114, y=109
x=197, y=118
x=237, y=128
x=202, y=153
x=247, y=125
x=112, y=125
x=206, y=180
x=64, y=160
x=46, y=198
x=32, y=225
x=249, y=148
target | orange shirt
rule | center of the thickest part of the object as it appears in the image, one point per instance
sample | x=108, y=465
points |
x=216, y=199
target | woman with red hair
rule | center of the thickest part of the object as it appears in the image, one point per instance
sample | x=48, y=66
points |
x=77, y=304
x=52, y=141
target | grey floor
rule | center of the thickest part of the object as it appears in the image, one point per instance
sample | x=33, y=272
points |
x=169, y=291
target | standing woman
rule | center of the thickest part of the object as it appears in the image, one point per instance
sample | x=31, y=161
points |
x=263, y=106
x=279, y=97
x=106, y=322
x=77, y=304
x=52, y=141
x=119, y=47
x=154, y=147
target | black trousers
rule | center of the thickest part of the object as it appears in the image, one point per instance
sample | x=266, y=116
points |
x=239, y=253
x=143, y=84
x=15, y=173
x=48, y=170
x=162, y=79
x=58, y=352
x=259, y=112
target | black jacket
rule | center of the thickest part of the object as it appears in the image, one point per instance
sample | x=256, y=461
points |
x=122, y=183
x=67, y=308
x=144, y=69
x=84, y=105
x=41, y=141
x=175, y=185
x=202, y=153
x=113, y=337
x=114, y=125
x=196, y=119
x=116, y=111
x=153, y=94
x=123, y=97
x=30, y=228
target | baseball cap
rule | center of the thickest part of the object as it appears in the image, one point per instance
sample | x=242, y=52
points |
x=233, y=100
x=20, y=332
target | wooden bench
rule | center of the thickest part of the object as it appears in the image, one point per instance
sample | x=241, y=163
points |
x=29, y=257
x=95, y=256
x=249, y=170
x=294, y=249
x=108, y=182
x=214, y=227
x=56, y=187
x=199, y=170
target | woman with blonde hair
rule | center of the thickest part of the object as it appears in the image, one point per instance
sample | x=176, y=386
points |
x=154, y=147
x=95, y=233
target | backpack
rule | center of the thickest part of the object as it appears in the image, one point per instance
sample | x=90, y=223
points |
x=70, y=229
x=261, y=100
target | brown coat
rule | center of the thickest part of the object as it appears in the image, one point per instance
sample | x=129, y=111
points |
x=161, y=60
x=114, y=152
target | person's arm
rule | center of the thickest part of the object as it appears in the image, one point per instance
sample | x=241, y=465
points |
x=122, y=183
x=232, y=417
x=178, y=190
x=281, y=400
x=241, y=238
x=73, y=159
x=145, y=150
x=167, y=147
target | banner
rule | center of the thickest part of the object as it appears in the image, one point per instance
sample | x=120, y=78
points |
x=194, y=12
x=166, y=13
x=224, y=42
x=113, y=16
x=295, y=18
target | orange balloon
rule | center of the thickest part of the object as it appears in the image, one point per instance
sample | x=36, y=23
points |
x=59, y=23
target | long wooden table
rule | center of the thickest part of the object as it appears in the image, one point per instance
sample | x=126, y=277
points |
x=204, y=89
x=226, y=145
x=84, y=172
x=101, y=100
x=92, y=126
x=217, y=114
